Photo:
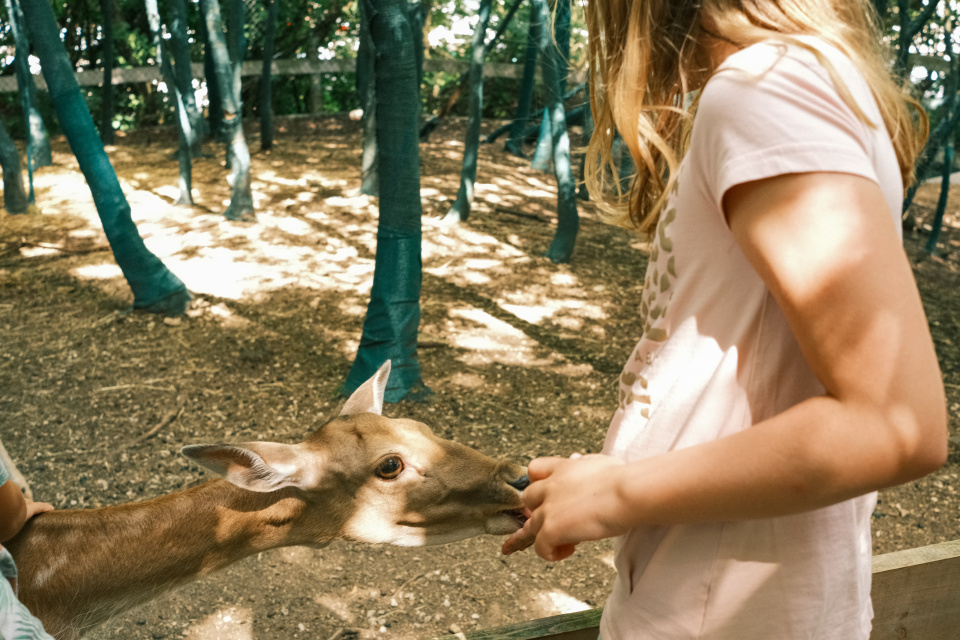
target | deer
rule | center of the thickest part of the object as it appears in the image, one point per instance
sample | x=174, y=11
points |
x=360, y=477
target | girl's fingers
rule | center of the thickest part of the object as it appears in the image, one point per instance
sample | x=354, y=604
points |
x=541, y=468
x=33, y=508
x=553, y=550
x=533, y=496
x=521, y=539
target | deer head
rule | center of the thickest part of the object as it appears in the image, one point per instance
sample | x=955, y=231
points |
x=373, y=479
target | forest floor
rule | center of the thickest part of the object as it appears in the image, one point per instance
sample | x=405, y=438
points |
x=523, y=356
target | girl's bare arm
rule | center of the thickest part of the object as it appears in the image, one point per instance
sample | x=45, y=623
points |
x=827, y=247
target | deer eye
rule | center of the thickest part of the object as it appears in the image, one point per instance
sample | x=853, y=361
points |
x=390, y=468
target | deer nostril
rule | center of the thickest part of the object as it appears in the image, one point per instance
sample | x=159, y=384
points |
x=520, y=483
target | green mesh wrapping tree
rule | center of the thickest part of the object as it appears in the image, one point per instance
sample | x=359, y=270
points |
x=471, y=145
x=227, y=58
x=554, y=66
x=14, y=196
x=154, y=287
x=393, y=314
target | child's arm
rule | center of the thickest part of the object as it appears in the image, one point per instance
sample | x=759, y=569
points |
x=15, y=510
x=827, y=248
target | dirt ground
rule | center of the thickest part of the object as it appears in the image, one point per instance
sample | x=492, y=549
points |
x=523, y=356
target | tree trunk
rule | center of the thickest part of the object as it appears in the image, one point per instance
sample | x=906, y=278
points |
x=107, y=8
x=543, y=155
x=460, y=210
x=367, y=93
x=554, y=69
x=14, y=197
x=518, y=127
x=393, y=315
x=183, y=74
x=154, y=287
x=931, y=246
x=266, y=95
x=38, y=141
x=952, y=117
x=214, y=99
x=184, y=155
x=946, y=128
x=227, y=75
x=316, y=88
x=582, y=191
x=434, y=122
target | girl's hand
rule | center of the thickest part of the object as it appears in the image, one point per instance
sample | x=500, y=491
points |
x=571, y=500
x=33, y=508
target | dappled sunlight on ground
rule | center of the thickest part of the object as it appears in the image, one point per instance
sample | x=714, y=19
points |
x=313, y=233
x=231, y=623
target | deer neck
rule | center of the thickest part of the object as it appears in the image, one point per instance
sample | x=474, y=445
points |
x=109, y=560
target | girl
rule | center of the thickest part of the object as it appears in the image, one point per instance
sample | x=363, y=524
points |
x=785, y=371
x=15, y=621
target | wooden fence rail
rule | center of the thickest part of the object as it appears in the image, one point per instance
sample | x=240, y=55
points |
x=295, y=67
x=916, y=594
x=303, y=66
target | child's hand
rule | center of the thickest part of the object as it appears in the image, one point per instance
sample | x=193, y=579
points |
x=16, y=509
x=33, y=508
x=571, y=500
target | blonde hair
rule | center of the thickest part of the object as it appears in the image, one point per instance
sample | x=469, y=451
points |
x=645, y=56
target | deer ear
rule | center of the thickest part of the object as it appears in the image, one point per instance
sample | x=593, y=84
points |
x=368, y=398
x=256, y=466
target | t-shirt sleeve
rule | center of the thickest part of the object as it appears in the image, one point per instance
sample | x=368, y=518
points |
x=4, y=474
x=772, y=110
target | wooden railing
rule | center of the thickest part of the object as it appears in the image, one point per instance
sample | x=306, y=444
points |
x=131, y=75
x=916, y=594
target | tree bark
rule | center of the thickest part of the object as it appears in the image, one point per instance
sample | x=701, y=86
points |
x=38, y=141
x=184, y=155
x=183, y=74
x=14, y=197
x=107, y=55
x=518, y=127
x=393, y=315
x=554, y=66
x=460, y=210
x=543, y=155
x=215, y=100
x=582, y=191
x=367, y=94
x=937, y=226
x=154, y=287
x=266, y=76
x=227, y=72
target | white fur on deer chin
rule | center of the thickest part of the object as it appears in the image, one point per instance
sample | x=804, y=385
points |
x=377, y=526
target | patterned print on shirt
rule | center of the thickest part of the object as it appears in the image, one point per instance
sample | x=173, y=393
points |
x=657, y=292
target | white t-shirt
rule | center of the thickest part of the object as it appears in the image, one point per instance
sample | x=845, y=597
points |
x=718, y=356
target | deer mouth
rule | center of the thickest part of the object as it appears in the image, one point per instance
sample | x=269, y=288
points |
x=519, y=516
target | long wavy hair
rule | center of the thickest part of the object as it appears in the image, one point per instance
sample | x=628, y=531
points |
x=646, y=56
